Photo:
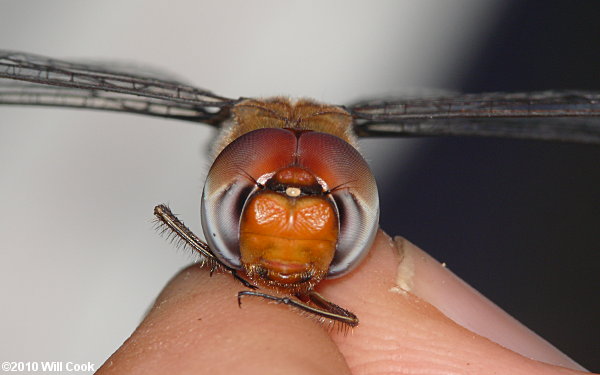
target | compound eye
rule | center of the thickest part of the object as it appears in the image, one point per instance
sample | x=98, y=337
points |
x=354, y=192
x=232, y=179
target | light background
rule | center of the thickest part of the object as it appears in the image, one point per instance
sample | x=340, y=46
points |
x=80, y=259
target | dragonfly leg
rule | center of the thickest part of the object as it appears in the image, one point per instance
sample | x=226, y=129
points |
x=324, y=304
x=323, y=309
x=166, y=218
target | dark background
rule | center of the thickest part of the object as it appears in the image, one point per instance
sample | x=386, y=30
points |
x=543, y=198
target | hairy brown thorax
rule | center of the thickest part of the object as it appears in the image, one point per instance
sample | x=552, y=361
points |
x=281, y=112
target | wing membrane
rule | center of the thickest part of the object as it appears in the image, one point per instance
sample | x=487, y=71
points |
x=98, y=87
x=18, y=93
x=572, y=116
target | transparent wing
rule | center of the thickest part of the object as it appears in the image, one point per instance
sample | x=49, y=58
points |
x=50, y=82
x=571, y=116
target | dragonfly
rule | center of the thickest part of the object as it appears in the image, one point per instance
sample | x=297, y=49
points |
x=344, y=210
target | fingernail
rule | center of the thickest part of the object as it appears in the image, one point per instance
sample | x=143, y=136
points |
x=425, y=277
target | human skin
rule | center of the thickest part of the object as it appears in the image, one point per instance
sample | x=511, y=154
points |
x=415, y=317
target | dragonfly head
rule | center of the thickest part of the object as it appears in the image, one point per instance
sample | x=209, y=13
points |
x=290, y=205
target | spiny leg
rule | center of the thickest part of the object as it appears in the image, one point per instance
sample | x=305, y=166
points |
x=323, y=303
x=165, y=217
x=325, y=308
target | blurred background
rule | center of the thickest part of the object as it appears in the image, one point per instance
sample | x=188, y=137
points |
x=517, y=220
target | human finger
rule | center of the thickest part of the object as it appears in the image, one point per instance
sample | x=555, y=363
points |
x=196, y=326
x=401, y=330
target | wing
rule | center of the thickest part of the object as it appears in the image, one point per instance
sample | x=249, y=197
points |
x=49, y=82
x=570, y=116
